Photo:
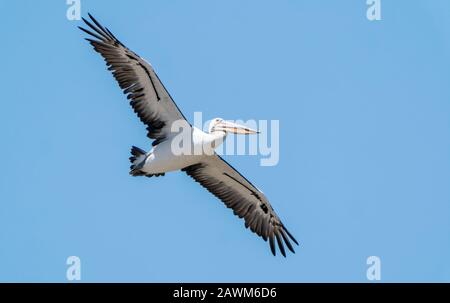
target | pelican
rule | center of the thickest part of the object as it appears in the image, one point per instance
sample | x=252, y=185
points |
x=156, y=109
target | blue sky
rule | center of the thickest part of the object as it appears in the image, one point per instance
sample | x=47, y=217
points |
x=364, y=141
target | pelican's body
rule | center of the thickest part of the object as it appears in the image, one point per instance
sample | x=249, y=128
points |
x=161, y=158
x=170, y=130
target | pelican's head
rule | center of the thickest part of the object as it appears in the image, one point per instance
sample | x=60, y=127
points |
x=219, y=124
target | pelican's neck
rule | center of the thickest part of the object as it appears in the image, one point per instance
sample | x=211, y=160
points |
x=217, y=137
x=218, y=134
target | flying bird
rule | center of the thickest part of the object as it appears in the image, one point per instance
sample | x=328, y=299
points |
x=156, y=109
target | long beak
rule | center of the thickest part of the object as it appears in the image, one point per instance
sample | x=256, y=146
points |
x=236, y=128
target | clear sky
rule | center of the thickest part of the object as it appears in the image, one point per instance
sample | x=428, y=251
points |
x=364, y=170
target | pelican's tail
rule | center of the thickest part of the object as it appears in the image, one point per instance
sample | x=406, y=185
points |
x=137, y=160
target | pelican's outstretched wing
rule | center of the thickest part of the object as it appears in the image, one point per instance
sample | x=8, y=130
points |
x=247, y=202
x=148, y=96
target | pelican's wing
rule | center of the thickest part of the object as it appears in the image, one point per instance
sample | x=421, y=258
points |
x=247, y=202
x=148, y=96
